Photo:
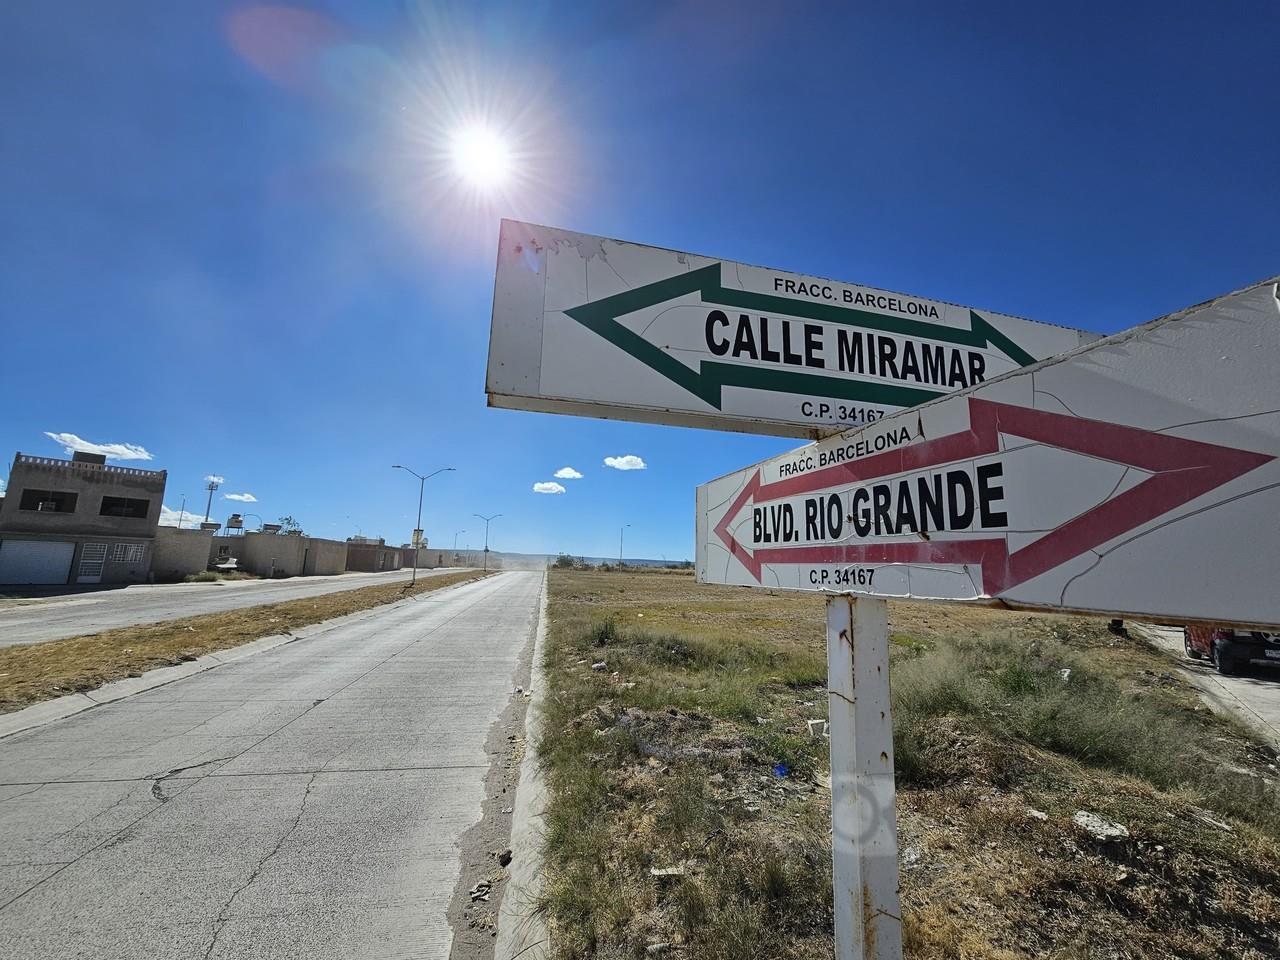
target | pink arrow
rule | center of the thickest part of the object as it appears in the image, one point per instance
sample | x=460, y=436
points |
x=1181, y=471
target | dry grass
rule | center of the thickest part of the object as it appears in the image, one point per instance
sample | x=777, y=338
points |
x=213, y=576
x=670, y=755
x=40, y=671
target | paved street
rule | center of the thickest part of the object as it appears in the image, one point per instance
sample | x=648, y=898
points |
x=88, y=613
x=1253, y=698
x=305, y=802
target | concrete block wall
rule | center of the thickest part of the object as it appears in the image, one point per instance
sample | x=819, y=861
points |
x=282, y=555
x=179, y=553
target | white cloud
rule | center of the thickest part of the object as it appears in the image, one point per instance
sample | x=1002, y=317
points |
x=170, y=518
x=242, y=497
x=568, y=473
x=113, y=451
x=212, y=478
x=549, y=486
x=628, y=462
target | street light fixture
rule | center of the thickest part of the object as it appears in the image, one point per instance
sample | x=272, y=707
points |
x=486, y=537
x=621, y=530
x=455, y=540
x=211, y=486
x=422, y=482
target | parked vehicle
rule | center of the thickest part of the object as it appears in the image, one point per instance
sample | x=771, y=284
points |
x=1232, y=650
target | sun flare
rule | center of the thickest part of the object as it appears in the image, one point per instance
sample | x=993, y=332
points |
x=481, y=157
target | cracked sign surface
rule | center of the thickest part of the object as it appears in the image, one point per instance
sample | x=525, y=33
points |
x=1137, y=475
x=597, y=327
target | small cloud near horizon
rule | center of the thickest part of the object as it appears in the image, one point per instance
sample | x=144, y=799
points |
x=112, y=451
x=567, y=473
x=170, y=518
x=242, y=497
x=548, y=486
x=627, y=462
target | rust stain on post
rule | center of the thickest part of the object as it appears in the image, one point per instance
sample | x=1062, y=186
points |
x=868, y=928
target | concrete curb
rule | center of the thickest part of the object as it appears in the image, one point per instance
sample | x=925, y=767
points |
x=39, y=714
x=522, y=929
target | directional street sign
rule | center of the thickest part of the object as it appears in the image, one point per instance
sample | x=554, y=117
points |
x=1135, y=476
x=599, y=327
x=1037, y=467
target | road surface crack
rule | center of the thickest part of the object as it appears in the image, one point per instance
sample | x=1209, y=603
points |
x=225, y=913
x=157, y=785
x=38, y=786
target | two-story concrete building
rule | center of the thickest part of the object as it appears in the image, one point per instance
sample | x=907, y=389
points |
x=78, y=521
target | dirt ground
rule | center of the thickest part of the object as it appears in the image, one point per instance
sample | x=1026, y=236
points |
x=1061, y=793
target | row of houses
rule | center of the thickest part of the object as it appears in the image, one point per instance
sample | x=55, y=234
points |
x=84, y=521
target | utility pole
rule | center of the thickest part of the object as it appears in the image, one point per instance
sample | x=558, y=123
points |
x=417, y=531
x=486, y=537
x=621, y=530
x=182, y=511
x=208, y=507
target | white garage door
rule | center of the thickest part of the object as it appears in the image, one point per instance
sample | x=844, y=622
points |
x=35, y=561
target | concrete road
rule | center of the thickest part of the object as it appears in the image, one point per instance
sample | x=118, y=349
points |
x=303, y=803
x=1253, y=698
x=91, y=612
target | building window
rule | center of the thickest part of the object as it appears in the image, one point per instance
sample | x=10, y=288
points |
x=224, y=552
x=48, y=501
x=124, y=507
x=128, y=552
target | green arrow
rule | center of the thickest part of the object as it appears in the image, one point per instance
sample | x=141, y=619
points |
x=706, y=382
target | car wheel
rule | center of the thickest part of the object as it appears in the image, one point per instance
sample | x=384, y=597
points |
x=1223, y=660
x=1192, y=652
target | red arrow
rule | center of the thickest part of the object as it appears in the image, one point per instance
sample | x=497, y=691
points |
x=1181, y=471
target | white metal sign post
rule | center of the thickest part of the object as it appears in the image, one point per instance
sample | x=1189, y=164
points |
x=1135, y=476
x=864, y=832
x=597, y=327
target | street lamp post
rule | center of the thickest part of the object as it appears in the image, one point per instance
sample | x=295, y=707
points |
x=621, y=530
x=422, y=482
x=455, y=540
x=208, y=507
x=182, y=511
x=486, y=537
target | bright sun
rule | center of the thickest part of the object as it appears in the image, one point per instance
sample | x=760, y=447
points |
x=481, y=157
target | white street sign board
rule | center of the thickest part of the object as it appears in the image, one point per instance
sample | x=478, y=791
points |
x=1136, y=476
x=596, y=327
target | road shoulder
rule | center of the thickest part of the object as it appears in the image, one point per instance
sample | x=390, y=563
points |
x=491, y=912
x=1216, y=691
x=522, y=928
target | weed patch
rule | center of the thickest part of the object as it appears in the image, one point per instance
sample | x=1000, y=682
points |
x=689, y=804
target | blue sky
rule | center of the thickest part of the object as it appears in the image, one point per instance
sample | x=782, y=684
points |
x=230, y=236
